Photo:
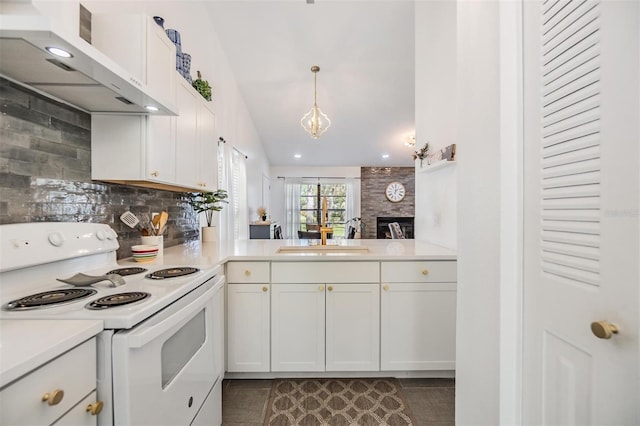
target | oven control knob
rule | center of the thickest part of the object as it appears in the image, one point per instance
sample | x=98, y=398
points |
x=56, y=239
x=111, y=234
x=101, y=235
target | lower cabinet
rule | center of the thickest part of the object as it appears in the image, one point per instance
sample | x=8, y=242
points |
x=298, y=327
x=248, y=327
x=310, y=320
x=341, y=316
x=353, y=327
x=418, y=319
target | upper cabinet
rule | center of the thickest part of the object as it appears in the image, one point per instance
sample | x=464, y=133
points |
x=141, y=47
x=173, y=153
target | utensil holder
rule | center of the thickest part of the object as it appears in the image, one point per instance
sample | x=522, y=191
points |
x=154, y=240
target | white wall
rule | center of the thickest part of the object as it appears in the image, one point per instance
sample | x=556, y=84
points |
x=277, y=185
x=478, y=122
x=199, y=39
x=436, y=119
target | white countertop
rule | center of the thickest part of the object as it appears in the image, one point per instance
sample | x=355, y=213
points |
x=27, y=344
x=196, y=253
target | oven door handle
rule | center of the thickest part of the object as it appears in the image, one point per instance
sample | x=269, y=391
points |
x=141, y=337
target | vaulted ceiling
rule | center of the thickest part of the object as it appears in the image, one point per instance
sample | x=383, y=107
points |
x=365, y=50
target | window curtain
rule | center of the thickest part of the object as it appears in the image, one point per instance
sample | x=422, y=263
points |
x=238, y=196
x=352, y=208
x=292, y=208
x=223, y=183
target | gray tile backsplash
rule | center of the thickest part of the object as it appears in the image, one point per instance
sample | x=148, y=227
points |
x=45, y=173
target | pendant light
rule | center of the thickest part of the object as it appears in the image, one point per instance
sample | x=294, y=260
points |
x=315, y=122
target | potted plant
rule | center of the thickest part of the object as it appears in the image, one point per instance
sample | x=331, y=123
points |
x=262, y=213
x=359, y=225
x=208, y=202
x=421, y=153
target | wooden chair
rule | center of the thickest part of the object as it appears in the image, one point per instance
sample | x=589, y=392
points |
x=396, y=231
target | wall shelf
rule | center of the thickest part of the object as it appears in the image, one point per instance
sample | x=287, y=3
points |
x=427, y=168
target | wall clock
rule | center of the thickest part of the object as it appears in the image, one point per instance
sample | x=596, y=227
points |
x=395, y=192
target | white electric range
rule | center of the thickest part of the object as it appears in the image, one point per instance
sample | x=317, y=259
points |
x=160, y=355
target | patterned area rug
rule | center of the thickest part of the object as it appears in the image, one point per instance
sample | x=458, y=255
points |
x=337, y=402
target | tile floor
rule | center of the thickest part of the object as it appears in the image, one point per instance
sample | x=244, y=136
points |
x=244, y=402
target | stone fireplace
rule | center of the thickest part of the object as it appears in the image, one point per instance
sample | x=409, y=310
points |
x=382, y=226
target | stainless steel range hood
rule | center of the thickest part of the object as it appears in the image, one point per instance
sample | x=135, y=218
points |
x=89, y=79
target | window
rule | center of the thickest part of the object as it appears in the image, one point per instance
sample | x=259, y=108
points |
x=311, y=196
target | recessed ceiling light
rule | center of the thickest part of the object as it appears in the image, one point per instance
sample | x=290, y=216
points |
x=385, y=156
x=297, y=156
x=151, y=108
x=59, y=52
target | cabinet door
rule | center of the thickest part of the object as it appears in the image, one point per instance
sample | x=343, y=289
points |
x=160, y=149
x=298, y=327
x=353, y=327
x=160, y=63
x=187, y=152
x=248, y=328
x=418, y=326
x=208, y=142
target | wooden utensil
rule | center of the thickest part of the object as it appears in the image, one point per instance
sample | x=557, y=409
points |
x=156, y=224
x=164, y=217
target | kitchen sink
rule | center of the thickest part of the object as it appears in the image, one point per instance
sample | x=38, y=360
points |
x=329, y=249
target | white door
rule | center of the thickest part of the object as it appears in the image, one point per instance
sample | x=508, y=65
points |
x=353, y=327
x=581, y=193
x=297, y=329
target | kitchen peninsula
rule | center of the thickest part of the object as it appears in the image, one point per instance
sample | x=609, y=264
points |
x=361, y=307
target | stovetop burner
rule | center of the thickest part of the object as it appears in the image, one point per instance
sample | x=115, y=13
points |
x=123, y=272
x=115, y=300
x=49, y=298
x=171, y=273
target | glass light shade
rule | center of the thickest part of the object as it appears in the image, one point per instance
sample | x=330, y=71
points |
x=315, y=122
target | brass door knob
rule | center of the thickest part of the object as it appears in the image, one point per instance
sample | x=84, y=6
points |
x=330, y=288
x=425, y=272
x=155, y=174
x=95, y=408
x=247, y=272
x=54, y=397
x=603, y=329
x=265, y=288
x=385, y=287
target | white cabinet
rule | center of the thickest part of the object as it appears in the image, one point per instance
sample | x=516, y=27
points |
x=47, y=393
x=353, y=327
x=173, y=153
x=298, y=327
x=248, y=325
x=418, y=315
x=196, y=141
x=320, y=308
x=140, y=46
x=133, y=149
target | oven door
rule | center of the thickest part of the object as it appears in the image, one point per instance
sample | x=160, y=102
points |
x=164, y=368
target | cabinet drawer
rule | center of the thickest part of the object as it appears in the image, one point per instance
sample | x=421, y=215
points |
x=325, y=272
x=73, y=372
x=248, y=272
x=418, y=271
x=79, y=415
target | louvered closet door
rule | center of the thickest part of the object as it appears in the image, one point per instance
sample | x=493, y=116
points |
x=581, y=194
